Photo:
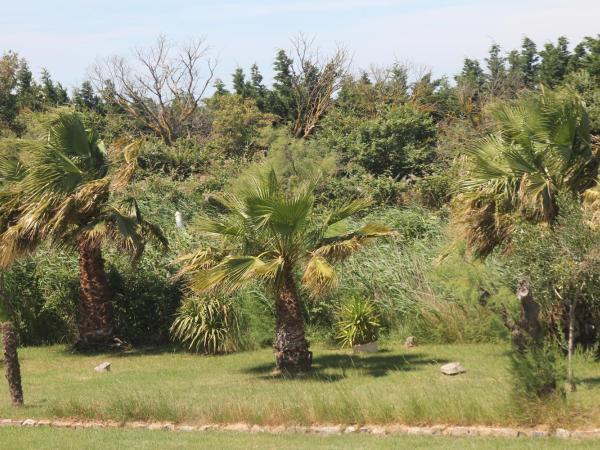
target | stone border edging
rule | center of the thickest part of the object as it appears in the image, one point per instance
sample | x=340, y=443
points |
x=434, y=430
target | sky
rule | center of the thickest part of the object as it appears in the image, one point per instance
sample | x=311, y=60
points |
x=67, y=36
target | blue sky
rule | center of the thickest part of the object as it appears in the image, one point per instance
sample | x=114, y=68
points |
x=68, y=36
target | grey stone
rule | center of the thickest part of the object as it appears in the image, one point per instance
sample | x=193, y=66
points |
x=562, y=433
x=336, y=429
x=453, y=368
x=498, y=432
x=28, y=423
x=237, y=427
x=461, y=431
x=410, y=342
x=538, y=434
x=370, y=347
x=104, y=367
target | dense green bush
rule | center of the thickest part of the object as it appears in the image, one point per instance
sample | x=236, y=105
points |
x=401, y=141
x=184, y=158
x=41, y=294
x=538, y=372
x=563, y=266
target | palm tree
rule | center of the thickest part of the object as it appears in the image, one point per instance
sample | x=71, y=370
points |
x=542, y=146
x=270, y=235
x=12, y=368
x=64, y=192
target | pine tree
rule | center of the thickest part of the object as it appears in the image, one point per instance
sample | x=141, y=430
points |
x=53, y=94
x=85, y=97
x=555, y=62
x=586, y=56
x=283, y=103
x=496, y=71
x=27, y=90
x=472, y=73
x=528, y=62
x=220, y=88
x=240, y=86
x=257, y=89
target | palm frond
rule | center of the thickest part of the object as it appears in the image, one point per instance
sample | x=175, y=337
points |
x=348, y=210
x=319, y=275
x=230, y=274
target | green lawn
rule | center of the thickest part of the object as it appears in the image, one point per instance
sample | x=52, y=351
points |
x=395, y=385
x=49, y=438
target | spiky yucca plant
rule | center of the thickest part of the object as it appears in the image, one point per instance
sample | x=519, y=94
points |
x=542, y=146
x=358, y=322
x=63, y=192
x=269, y=235
x=208, y=325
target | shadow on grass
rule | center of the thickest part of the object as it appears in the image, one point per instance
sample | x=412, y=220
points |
x=125, y=352
x=591, y=380
x=376, y=365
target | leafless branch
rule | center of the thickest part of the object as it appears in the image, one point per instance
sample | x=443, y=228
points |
x=162, y=87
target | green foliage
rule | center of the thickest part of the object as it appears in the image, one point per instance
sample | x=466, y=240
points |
x=537, y=373
x=184, y=158
x=589, y=90
x=435, y=190
x=41, y=295
x=542, y=147
x=358, y=322
x=208, y=325
x=563, y=267
x=416, y=292
x=9, y=65
x=399, y=141
x=294, y=161
x=237, y=124
x=270, y=231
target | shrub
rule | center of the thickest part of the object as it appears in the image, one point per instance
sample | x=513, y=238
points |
x=237, y=123
x=184, y=158
x=401, y=141
x=358, y=322
x=435, y=190
x=41, y=293
x=208, y=325
x=538, y=372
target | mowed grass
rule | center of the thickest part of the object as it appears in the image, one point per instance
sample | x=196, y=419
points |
x=393, y=386
x=49, y=438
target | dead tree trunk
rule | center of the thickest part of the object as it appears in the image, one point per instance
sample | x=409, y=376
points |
x=527, y=330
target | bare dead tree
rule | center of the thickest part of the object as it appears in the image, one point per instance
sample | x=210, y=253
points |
x=527, y=330
x=315, y=79
x=162, y=88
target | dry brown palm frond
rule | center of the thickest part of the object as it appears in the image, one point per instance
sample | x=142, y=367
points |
x=124, y=155
x=482, y=224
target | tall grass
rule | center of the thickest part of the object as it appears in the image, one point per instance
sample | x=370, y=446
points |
x=419, y=294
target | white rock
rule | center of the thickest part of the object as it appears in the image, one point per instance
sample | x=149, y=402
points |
x=28, y=423
x=179, y=220
x=453, y=368
x=370, y=347
x=104, y=367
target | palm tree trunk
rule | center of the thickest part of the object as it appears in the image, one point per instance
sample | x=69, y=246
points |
x=291, y=347
x=12, y=368
x=95, y=312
